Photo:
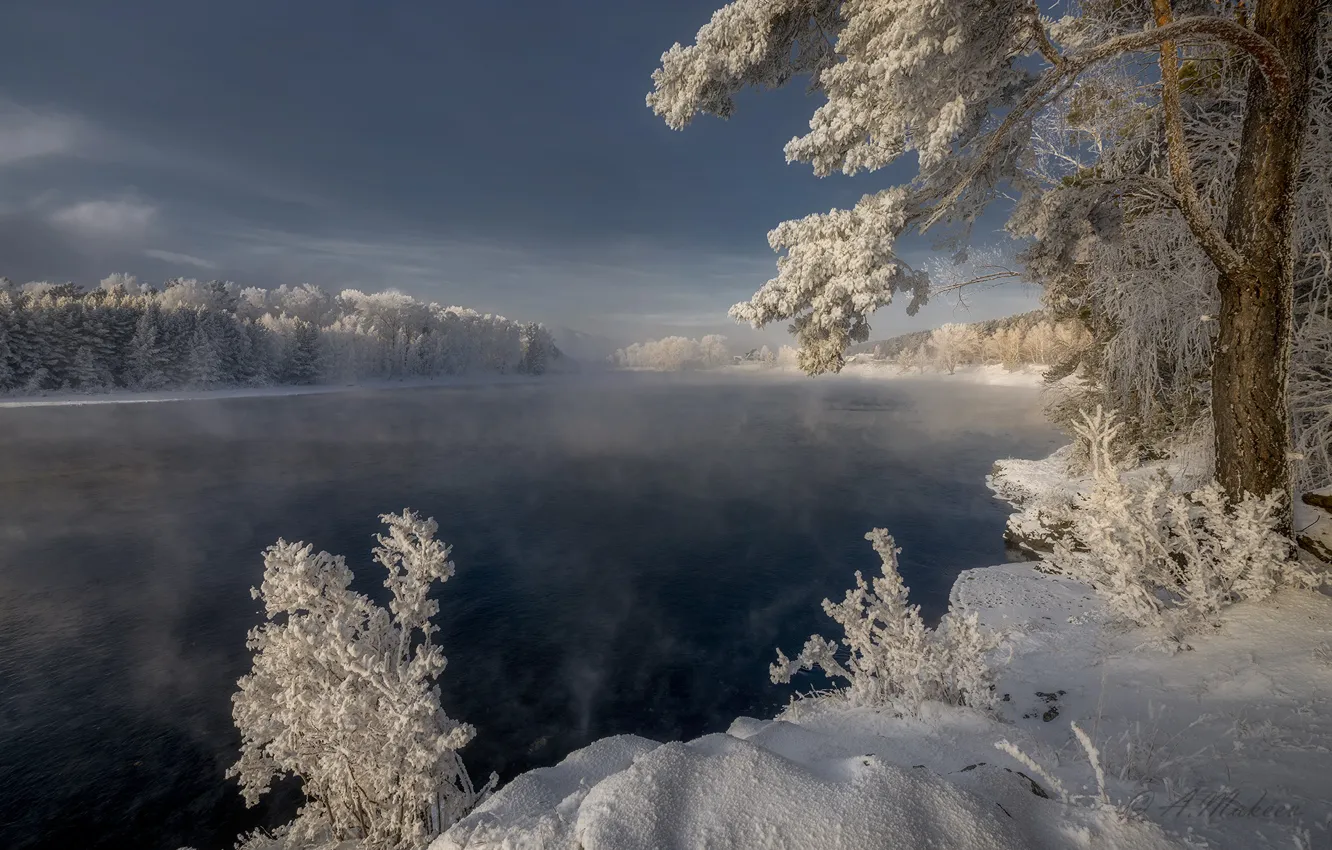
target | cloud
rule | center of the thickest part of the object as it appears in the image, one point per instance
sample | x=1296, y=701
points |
x=30, y=134
x=184, y=259
x=121, y=219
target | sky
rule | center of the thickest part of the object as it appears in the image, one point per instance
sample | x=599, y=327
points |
x=495, y=155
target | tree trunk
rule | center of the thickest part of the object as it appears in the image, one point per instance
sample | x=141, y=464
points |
x=1252, y=354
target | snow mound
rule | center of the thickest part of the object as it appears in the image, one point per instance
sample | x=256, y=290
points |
x=1222, y=745
x=838, y=780
x=721, y=791
x=536, y=809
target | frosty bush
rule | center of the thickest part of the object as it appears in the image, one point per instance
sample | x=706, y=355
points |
x=894, y=659
x=1161, y=557
x=342, y=694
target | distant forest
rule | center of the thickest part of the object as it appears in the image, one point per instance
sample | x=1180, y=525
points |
x=202, y=335
x=892, y=347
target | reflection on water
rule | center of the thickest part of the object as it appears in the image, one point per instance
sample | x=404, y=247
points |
x=630, y=550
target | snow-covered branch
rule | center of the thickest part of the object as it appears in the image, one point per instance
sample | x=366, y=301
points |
x=893, y=659
x=343, y=695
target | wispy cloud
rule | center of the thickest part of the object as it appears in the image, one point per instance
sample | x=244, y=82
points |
x=27, y=134
x=106, y=219
x=183, y=259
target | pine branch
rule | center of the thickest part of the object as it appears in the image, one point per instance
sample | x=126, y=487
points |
x=1209, y=236
x=1186, y=30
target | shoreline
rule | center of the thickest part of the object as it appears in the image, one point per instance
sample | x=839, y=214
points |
x=73, y=398
x=1029, y=377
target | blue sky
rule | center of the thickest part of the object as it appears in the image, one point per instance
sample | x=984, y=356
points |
x=496, y=155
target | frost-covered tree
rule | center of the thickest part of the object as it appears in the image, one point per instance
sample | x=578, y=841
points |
x=300, y=363
x=203, y=366
x=963, y=85
x=915, y=357
x=1006, y=346
x=213, y=334
x=675, y=353
x=894, y=660
x=146, y=360
x=87, y=372
x=537, y=349
x=343, y=695
x=953, y=344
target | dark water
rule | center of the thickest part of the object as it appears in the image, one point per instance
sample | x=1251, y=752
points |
x=630, y=550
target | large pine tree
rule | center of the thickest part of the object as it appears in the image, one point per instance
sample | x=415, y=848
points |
x=959, y=84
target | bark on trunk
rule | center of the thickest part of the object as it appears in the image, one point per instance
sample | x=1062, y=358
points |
x=1249, y=370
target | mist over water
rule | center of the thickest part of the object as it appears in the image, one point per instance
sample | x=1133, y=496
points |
x=631, y=549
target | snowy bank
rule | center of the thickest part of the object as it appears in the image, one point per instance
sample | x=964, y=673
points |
x=1224, y=746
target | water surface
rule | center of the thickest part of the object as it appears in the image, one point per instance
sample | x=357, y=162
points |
x=630, y=550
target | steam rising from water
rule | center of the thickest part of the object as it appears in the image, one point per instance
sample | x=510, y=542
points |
x=630, y=550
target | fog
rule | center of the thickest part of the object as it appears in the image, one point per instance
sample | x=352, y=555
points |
x=631, y=549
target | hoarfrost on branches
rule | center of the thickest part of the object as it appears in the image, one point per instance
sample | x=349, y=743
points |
x=1123, y=180
x=125, y=335
x=674, y=354
x=953, y=344
x=901, y=76
x=343, y=695
x=1166, y=558
x=894, y=660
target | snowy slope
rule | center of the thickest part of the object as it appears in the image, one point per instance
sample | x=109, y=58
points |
x=837, y=780
x=1224, y=746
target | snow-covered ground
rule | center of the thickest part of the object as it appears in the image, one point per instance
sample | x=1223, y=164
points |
x=1226, y=744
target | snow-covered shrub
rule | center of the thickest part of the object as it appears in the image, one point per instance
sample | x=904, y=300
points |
x=954, y=344
x=1163, y=557
x=342, y=694
x=895, y=661
x=913, y=358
